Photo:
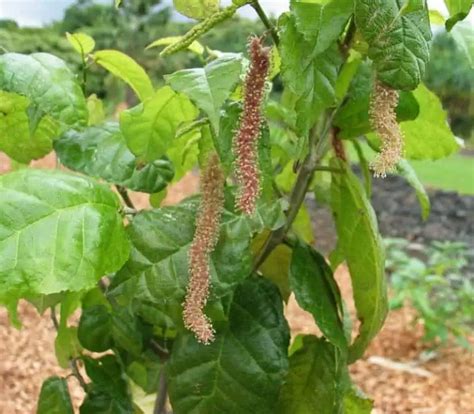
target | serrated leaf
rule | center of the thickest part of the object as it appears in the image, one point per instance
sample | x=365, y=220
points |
x=314, y=382
x=17, y=139
x=54, y=397
x=58, y=232
x=311, y=280
x=321, y=23
x=197, y=9
x=150, y=127
x=157, y=271
x=311, y=77
x=210, y=86
x=406, y=171
x=101, y=152
x=458, y=10
x=194, y=47
x=126, y=69
x=243, y=369
x=361, y=244
x=398, y=42
x=49, y=85
x=81, y=42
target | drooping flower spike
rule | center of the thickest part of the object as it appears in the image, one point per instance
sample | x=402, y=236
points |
x=204, y=242
x=383, y=119
x=246, y=137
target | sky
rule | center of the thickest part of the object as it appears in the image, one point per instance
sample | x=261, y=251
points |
x=39, y=12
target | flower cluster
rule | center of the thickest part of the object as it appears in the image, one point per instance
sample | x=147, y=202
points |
x=246, y=138
x=205, y=239
x=383, y=119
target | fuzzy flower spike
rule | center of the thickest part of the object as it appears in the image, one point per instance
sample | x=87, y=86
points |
x=383, y=119
x=246, y=137
x=204, y=242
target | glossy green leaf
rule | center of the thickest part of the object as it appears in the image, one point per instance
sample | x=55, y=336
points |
x=126, y=69
x=94, y=331
x=361, y=245
x=197, y=9
x=101, y=152
x=49, y=85
x=150, y=127
x=17, y=139
x=194, y=47
x=314, y=382
x=210, y=86
x=312, y=281
x=429, y=135
x=157, y=271
x=243, y=369
x=81, y=42
x=406, y=171
x=311, y=77
x=458, y=10
x=321, y=23
x=398, y=42
x=58, y=232
x=54, y=397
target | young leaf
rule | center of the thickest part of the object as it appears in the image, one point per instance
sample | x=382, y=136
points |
x=311, y=280
x=95, y=107
x=210, y=86
x=361, y=244
x=82, y=43
x=242, y=371
x=54, y=397
x=127, y=69
x=49, y=85
x=150, y=127
x=101, y=152
x=398, y=43
x=17, y=139
x=197, y=9
x=458, y=10
x=314, y=382
x=58, y=232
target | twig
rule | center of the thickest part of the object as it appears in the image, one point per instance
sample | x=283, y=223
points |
x=162, y=394
x=125, y=197
x=266, y=21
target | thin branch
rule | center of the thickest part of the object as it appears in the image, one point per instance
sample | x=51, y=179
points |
x=125, y=197
x=162, y=394
x=266, y=21
x=54, y=318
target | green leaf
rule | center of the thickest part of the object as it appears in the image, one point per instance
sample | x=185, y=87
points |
x=150, y=127
x=94, y=331
x=95, y=107
x=157, y=271
x=314, y=382
x=302, y=225
x=243, y=369
x=210, y=86
x=353, y=117
x=458, y=10
x=357, y=403
x=321, y=23
x=67, y=346
x=412, y=5
x=54, y=397
x=428, y=136
x=311, y=77
x=406, y=171
x=194, y=47
x=463, y=34
x=81, y=42
x=58, y=232
x=312, y=281
x=361, y=244
x=17, y=139
x=398, y=42
x=197, y=9
x=49, y=85
x=101, y=152
x=126, y=69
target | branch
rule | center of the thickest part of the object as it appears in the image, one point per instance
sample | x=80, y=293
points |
x=125, y=197
x=162, y=394
x=266, y=21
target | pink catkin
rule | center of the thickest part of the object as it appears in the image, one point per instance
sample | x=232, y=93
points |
x=204, y=242
x=246, y=138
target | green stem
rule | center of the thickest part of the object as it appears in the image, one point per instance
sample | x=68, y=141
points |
x=266, y=21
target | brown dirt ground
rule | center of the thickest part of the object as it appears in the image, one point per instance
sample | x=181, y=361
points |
x=27, y=356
